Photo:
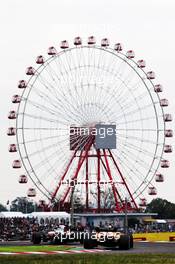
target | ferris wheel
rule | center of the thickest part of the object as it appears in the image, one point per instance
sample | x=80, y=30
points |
x=81, y=87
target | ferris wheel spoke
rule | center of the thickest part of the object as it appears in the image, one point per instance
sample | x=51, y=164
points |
x=72, y=100
x=144, y=107
x=42, y=107
x=132, y=155
x=144, y=181
x=57, y=109
x=67, y=78
x=37, y=140
x=131, y=138
x=133, y=170
x=127, y=170
x=141, y=177
x=137, y=120
x=43, y=118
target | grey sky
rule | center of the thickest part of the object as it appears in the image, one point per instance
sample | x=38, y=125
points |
x=28, y=28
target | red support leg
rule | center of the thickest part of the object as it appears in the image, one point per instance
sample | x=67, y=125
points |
x=87, y=184
x=121, y=175
x=108, y=175
x=80, y=163
x=111, y=179
x=98, y=179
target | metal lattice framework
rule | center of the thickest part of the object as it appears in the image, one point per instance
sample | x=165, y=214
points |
x=82, y=86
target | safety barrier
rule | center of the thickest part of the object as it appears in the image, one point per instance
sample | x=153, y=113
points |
x=154, y=237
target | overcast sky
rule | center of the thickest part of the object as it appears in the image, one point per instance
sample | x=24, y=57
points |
x=28, y=28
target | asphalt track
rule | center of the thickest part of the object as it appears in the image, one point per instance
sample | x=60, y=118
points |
x=139, y=247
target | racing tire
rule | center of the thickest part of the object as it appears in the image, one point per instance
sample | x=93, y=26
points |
x=36, y=238
x=89, y=243
x=124, y=242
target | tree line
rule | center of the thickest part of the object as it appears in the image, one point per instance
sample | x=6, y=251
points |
x=164, y=208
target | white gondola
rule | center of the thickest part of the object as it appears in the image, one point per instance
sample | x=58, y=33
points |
x=168, y=133
x=77, y=41
x=22, y=84
x=12, y=148
x=16, y=99
x=30, y=71
x=23, y=179
x=118, y=47
x=164, y=102
x=150, y=75
x=31, y=192
x=40, y=59
x=159, y=177
x=152, y=190
x=16, y=164
x=130, y=54
x=91, y=40
x=64, y=44
x=12, y=115
x=52, y=51
x=168, y=149
x=165, y=164
x=168, y=118
x=11, y=131
x=105, y=42
x=141, y=64
x=158, y=88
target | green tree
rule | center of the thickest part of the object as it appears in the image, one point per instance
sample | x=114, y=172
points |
x=23, y=204
x=2, y=208
x=162, y=207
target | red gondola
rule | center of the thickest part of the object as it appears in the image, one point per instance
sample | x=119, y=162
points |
x=40, y=59
x=105, y=42
x=16, y=99
x=64, y=44
x=23, y=179
x=150, y=75
x=164, y=102
x=30, y=71
x=77, y=41
x=168, y=118
x=168, y=149
x=12, y=148
x=168, y=133
x=11, y=131
x=159, y=177
x=152, y=191
x=158, y=88
x=141, y=64
x=91, y=40
x=31, y=192
x=16, y=164
x=52, y=51
x=165, y=164
x=143, y=202
x=130, y=54
x=118, y=47
x=22, y=84
x=12, y=115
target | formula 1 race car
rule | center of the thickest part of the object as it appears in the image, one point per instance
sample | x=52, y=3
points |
x=108, y=238
x=59, y=235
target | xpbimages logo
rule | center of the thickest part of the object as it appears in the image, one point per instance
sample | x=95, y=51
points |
x=105, y=136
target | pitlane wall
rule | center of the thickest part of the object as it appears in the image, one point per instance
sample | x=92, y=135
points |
x=155, y=237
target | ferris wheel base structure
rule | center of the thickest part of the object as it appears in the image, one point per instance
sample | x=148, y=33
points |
x=102, y=158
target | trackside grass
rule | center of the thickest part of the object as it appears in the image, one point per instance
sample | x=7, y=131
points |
x=91, y=259
x=33, y=248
